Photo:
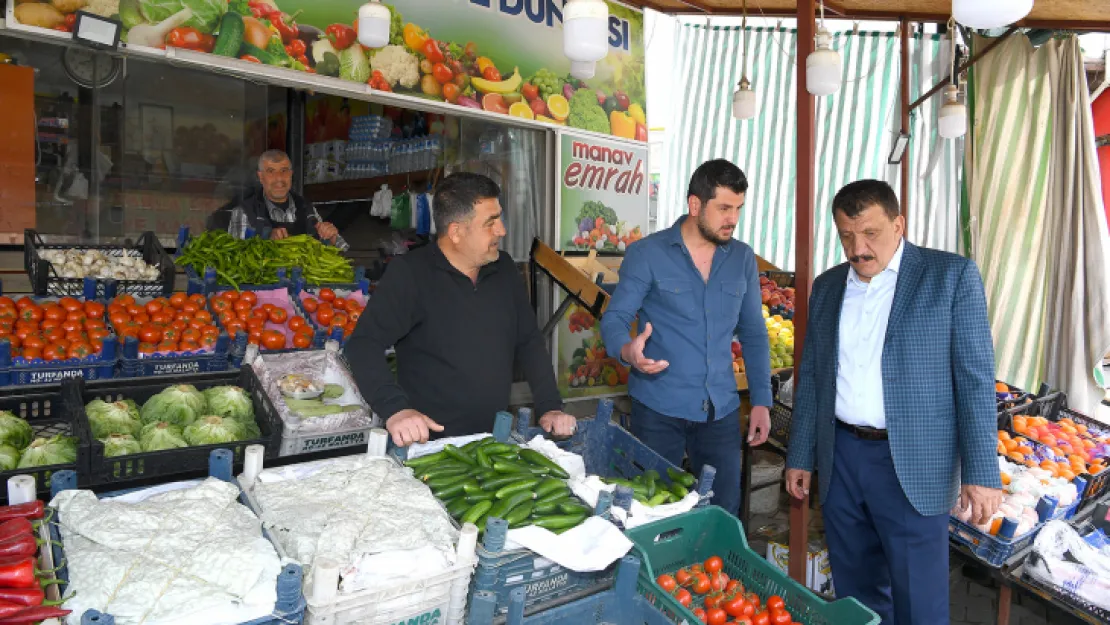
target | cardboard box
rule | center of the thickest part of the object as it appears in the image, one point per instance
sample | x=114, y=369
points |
x=818, y=570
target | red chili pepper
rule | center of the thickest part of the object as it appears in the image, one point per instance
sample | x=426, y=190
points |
x=286, y=26
x=296, y=48
x=15, y=527
x=21, y=573
x=190, y=39
x=34, y=615
x=23, y=546
x=8, y=609
x=249, y=59
x=71, y=20
x=261, y=8
x=27, y=596
x=29, y=510
x=341, y=36
x=63, y=28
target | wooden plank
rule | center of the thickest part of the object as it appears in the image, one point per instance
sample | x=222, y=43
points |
x=17, y=149
x=571, y=278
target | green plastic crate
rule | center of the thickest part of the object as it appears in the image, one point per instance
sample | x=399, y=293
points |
x=676, y=542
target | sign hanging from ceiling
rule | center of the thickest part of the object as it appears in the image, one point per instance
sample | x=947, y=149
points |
x=502, y=56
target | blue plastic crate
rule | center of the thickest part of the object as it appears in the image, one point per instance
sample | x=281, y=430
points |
x=96, y=367
x=133, y=366
x=297, y=285
x=290, y=606
x=619, y=606
x=238, y=345
x=608, y=451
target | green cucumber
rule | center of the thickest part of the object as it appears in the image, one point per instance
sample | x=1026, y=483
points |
x=471, y=446
x=483, y=459
x=475, y=512
x=650, y=486
x=679, y=491
x=534, y=457
x=496, y=483
x=506, y=505
x=435, y=471
x=458, y=454
x=449, y=491
x=512, y=489
x=506, y=466
x=457, y=506
x=265, y=56
x=573, y=507
x=549, y=485
x=442, y=481
x=546, y=509
x=472, y=487
x=659, y=499
x=651, y=474
x=519, y=515
x=497, y=449
x=561, y=521
x=476, y=497
x=681, y=477
x=424, y=461
x=558, y=495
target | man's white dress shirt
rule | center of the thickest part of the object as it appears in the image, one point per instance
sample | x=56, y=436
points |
x=863, y=320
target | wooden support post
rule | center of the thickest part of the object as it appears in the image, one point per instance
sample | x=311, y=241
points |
x=805, y=193
x=904, y=103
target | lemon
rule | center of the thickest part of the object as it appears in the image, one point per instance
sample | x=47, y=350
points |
x=521, y=109
x=558, y=106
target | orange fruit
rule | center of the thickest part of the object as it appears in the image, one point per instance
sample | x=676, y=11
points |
x=1015, y=456
x=1000, y=387
x=1003, y=435
x=1001, y=449
x=1066, y=474
x=1010, y=445
x=1005, y=479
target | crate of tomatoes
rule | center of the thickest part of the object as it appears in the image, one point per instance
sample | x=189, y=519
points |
x=168, y=335
x=44, y=340
x=331, y=310
x=264, y=316
x=698, y=568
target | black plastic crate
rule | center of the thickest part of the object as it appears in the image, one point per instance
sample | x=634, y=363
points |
x=44, y=408
x=785, y=279
x=1014, y=397
x=45, y=279
x=1097, y=485
x=158, y=464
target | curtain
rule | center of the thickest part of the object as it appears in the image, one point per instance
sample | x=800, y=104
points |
x=855, y=130
x=1037, y=224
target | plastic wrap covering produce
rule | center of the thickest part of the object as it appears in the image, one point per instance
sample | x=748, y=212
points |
x=182, y=557
x=1070, y=562
x=366, y=512
x=322, y=365
x=1024, y=486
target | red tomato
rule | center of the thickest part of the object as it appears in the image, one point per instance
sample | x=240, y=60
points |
x=339, y=303
x=54, y=352
x=133, y=309
x=167, y=346
x=714, y=564
x=780, y=617
x=683, y=597
x=249, y=296
x=208, y=340
x=70, y=304
x=272, y=339
x=734, y=605
x=340, y=319
x=699, y=614
x=235, y=327
x=72, y=326
x=54, y=313
x=775, y=602
x=491, y=74
x=716, y=616
x=196, y=299
x=254, y=336
x=154, y=307
x=119, y=319
x=733, y=585
x=683, y=577
x=327, y=294
x=278, y=315
x=761, y=618
x=324, y=317
x=79, y=350
x=24, y=302
x=76, y=336
x=354, y=315
x=197, y=324
x=32, y=353
x=713, y=600
x=310, y=304
x=302, y=340
x=150, y=334
x=231, y=296
x=718, y=581
x=255, y=323
x=94, y=310
x=701, y=584
x=177, y=300
x=31, y=313
x=666, y=582
x=190, y=335
x=188, y=346
x=162, y=318
x=297, y=322
x=242, y=305
x=442, y=74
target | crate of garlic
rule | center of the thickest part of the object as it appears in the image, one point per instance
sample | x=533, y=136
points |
x=141, y=269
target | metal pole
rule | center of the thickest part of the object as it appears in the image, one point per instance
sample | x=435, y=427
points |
x=904, y=102
x=805, y=191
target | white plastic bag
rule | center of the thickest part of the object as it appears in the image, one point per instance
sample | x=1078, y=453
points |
x=1067, y=561
x=382, y=204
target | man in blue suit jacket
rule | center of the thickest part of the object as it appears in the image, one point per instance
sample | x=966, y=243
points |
x=894, y=406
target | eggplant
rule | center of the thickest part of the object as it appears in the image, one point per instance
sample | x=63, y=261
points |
x=309, y=34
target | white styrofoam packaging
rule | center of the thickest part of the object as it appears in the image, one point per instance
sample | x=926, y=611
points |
x=293, y=444
x=818, y=570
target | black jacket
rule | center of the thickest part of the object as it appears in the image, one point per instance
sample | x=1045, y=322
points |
x=258, y=215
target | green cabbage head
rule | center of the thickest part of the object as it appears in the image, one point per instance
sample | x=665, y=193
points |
x=229, y=401
x=9, y=457
x=105, y=419
x=162, y=435
x=45, y=452
x=15, y=431
x=121, y=445
x=180, y=404
x=212, y=430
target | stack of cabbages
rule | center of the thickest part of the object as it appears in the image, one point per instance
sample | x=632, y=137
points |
x=19, y=451
x=179, y=416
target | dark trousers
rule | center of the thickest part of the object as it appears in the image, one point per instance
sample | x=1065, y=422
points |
x=717, y=443
x=882, y=551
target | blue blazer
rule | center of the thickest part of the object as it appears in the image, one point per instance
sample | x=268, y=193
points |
x=938, y=380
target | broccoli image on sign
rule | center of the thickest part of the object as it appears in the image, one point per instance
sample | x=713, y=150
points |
x=601, y=229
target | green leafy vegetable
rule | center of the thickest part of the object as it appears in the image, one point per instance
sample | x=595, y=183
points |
x=121, y=445
x=9, y=457
x=15, y=431
x=586, y=113
x=181, y=405
x=162, y=435
x=206, y=13
x=353, y=64
x=230, y=401
x=396, y=26
x=212, y=430
x=105, y=419
x=592, y=210
x=45, y=452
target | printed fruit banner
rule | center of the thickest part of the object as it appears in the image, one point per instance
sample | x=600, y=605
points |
x=504, y=56
x=603, y=206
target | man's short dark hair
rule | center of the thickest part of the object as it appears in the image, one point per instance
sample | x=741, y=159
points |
x=456, y=195
x=716, y=173
x=861, y=195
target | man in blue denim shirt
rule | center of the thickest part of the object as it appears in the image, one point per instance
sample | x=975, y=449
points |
x=693, y=287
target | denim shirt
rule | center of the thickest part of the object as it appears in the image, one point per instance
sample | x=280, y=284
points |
x=693, y=322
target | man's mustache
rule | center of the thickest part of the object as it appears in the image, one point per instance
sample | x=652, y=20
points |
x=856, y=259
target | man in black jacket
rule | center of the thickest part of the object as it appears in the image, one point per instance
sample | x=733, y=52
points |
x=458, y=314
x=275, y=212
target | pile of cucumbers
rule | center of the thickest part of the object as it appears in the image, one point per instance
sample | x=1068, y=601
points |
x=650, y=491
x=486, y=478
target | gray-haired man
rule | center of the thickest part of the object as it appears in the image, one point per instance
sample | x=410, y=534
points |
x=277, y=212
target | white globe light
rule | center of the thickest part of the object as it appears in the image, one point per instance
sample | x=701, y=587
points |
x=952, y=118
x=585, y=35
x=823, y=67
x=373, y=25
x=744, y=105
x=988, y=14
